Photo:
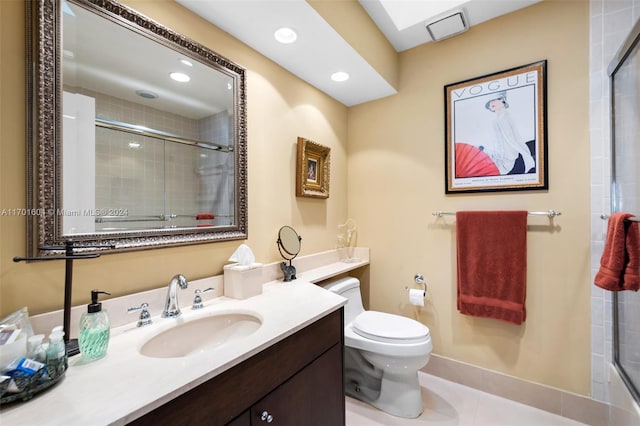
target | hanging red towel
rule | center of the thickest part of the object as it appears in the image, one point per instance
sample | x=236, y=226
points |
x=492, y=264
x=620, y=262
x=204, y=216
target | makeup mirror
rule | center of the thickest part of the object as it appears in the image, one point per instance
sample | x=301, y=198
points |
x=289, y=243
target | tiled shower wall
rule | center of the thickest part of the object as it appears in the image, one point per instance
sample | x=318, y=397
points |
x=611, y=21
x=124, y=174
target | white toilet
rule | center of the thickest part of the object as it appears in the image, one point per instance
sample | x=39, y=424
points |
x=383, y=353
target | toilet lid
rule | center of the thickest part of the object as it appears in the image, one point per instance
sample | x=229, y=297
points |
x=390, y=328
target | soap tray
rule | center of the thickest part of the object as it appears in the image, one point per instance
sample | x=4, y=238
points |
x=28, y=386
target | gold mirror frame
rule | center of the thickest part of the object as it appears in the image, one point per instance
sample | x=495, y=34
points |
x=44, y=133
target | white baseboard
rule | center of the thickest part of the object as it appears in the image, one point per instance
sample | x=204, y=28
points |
x=557, y=401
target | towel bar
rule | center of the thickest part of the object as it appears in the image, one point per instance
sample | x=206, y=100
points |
x=631, y=219
x=549, y=213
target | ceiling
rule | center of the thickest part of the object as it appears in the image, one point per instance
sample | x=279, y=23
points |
x=110, y=65
x=403, y=21
x=320, y=50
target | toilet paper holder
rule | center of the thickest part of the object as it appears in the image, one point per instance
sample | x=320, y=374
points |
x=419, y=279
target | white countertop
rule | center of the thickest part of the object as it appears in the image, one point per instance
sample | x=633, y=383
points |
x=125, y=384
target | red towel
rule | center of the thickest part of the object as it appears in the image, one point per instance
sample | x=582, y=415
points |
x=620, y=262
x=203, y=216
x=492, y=264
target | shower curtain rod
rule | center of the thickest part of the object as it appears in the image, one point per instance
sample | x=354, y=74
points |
x=549, y=213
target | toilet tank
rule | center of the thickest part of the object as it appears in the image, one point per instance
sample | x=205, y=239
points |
x=348, y=287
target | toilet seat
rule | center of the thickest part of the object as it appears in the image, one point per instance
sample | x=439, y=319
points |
x=389, y=328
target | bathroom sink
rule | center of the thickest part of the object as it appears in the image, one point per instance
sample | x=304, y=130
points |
x=200, y=334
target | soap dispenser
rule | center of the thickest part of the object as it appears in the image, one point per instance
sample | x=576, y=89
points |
x=93, y=332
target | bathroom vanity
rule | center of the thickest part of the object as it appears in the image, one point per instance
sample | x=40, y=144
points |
x=298, y=345
x=287, y=369
x=297, y=381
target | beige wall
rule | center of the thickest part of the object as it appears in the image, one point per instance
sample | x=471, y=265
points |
x=396, y=180
x=280, y=108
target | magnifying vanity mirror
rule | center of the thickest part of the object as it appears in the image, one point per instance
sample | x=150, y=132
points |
x=289, y=243
x=137, y=134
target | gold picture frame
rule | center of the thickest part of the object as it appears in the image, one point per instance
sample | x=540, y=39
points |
x=312, y=169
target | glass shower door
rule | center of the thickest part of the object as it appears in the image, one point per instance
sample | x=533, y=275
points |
x=625, y=197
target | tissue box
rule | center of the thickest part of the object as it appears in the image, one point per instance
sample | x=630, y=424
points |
x=242, y=282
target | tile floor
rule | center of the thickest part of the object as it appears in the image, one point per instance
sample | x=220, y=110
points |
x=449, y=403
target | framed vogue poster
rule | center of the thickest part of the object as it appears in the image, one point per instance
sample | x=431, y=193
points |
x=496, y=131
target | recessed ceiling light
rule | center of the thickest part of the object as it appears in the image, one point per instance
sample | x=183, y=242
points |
x=181, y=77
x=134, y=145
x=340, y=76
x=147, y=94
x=186, y=62
x=285, y=35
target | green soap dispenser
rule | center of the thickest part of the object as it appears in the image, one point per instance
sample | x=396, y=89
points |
x=93, y=332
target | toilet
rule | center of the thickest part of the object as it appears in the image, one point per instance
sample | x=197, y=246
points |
x=383, y=353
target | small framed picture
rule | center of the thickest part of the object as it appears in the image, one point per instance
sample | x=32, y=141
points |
x=312, y=169
x=496, y=131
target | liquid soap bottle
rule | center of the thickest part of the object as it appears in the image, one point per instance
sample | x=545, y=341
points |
x=93, y=332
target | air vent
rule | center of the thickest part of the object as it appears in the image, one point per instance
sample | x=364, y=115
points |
x=448, y=26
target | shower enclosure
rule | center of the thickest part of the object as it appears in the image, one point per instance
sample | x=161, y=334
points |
x=153, y=179
x=624, y=73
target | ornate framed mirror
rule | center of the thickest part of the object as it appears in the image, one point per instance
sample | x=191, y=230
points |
x=137, y=135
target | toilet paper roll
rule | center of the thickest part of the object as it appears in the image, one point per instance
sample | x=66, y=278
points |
x=416, y=297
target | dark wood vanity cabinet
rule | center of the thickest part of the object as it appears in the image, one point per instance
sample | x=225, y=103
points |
x=311, y=397
x=296, y=382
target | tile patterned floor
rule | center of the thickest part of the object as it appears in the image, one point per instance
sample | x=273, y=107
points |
x=448, y=403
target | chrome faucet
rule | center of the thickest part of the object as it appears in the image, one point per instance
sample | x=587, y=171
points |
x=171, y=307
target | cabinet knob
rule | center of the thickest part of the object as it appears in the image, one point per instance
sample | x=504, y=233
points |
x=266, y=417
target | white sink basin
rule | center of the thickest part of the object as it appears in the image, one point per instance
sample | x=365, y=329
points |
x=200, y=334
